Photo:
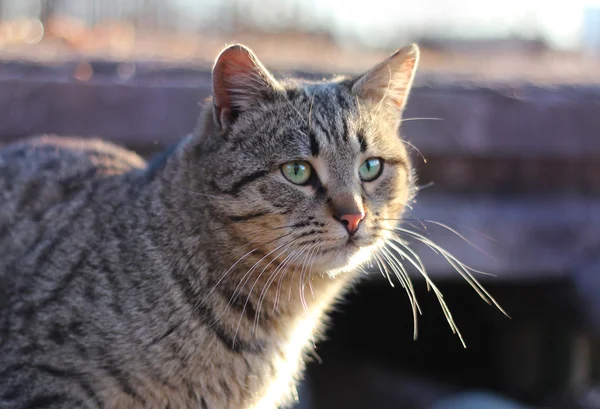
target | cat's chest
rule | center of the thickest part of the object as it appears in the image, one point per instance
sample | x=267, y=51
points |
x=220, y=378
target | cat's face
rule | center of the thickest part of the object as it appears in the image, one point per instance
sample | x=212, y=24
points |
x=310, y=174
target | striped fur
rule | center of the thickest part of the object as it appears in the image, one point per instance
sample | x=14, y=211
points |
x=197, y=280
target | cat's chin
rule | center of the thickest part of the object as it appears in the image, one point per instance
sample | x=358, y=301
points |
x=344, y=259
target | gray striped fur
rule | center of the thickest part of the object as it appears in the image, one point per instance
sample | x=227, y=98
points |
x=131, y=285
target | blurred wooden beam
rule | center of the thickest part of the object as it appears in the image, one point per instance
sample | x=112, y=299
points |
x=160, y=103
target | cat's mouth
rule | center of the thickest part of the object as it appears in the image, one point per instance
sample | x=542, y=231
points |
x=345, y=256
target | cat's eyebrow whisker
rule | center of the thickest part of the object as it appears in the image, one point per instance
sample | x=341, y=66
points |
x=415, y=148
x=385, y=94
x=359, y=108
x=310, y=108
x=294, y=108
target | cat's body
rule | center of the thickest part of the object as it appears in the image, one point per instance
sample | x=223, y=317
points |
x=201, y=280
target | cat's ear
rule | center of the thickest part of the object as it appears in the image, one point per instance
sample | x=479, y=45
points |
x=239, y=81
x=388, y=84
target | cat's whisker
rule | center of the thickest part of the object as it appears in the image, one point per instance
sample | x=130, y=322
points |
x=246, y=277
x=303, y=275
x=439, y=250
x=254, y=285
x=421, y=119
x=415, y=308
x=237, y=262
x=464, y=270
x=296, y=270
x=309, y=276
x=189, y=191
x=461, y=268
x=310, y=108
x=431, y=286
x=260, y=233
x=460, y=236
x=384, y=271
x=385, y=94
x=415, y=260
x=264, y=290
x=301, y=279
x=203, y=300
x=289, y=258
x=360, y=116
x=406, y=282
x=416, y=149
x=425, y=186
x=295, y=109
x=280, y=281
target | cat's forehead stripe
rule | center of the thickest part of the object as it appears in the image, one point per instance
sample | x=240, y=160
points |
x=314, y=144
x=328, y=115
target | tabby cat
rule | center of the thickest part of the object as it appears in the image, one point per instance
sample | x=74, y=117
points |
x=198, y=280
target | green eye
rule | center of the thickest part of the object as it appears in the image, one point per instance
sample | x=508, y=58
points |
x=297, y=171
x=370, y=169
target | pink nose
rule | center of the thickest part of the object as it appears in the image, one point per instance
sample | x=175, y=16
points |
x=351, y=221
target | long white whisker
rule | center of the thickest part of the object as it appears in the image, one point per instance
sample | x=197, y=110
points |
x=463, y=270
x=439, y=250
x=405, y=275
x=266, y=287
x=411, y=296
x=254, y=285
x=459, y=235
x=280, y=281
x=189, y=191
x=436, y=291
x=421, y=119
x=301, y=268
x=384, y=271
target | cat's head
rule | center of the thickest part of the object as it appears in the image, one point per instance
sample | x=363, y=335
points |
x=307, y=171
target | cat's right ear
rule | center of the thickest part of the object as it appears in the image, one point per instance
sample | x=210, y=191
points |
x=388, y=84
x=239, y=81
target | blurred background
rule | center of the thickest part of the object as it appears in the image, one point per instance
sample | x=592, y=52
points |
x=505, y=115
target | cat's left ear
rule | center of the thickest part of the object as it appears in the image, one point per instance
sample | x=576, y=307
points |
x=239, y=81
x=389, y=82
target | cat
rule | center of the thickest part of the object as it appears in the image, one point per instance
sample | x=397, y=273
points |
x=200, y=279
